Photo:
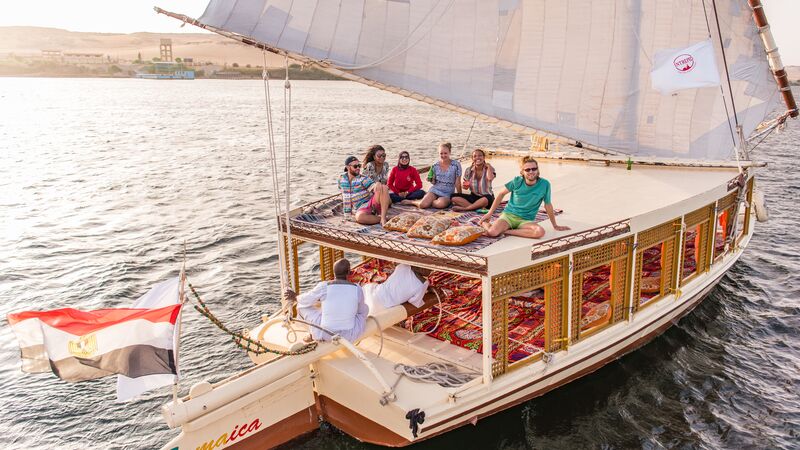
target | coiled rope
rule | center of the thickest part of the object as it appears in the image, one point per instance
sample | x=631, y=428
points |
x=444, y=374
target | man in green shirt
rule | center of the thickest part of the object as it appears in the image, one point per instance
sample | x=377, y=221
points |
x=528, y=191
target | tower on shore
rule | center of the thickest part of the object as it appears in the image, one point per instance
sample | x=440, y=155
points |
x=166, y=50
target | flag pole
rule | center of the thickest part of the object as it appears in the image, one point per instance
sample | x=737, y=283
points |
x=182, y=298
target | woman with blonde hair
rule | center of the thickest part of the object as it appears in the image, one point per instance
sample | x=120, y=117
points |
x=444, y=175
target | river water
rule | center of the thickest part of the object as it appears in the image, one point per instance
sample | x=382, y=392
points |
x=102, y=181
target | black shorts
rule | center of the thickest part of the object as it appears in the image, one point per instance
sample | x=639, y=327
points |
x=472, y=198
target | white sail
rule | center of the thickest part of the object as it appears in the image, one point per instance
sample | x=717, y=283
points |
x=575, y=68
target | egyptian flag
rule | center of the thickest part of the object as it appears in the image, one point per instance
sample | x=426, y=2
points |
x=84, y=345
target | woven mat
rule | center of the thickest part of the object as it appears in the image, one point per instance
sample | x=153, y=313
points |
x=330, y=214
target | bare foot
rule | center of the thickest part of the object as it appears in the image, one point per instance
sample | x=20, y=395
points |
x=457, y=208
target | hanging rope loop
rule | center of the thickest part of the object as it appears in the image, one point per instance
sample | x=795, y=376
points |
x=242, y=341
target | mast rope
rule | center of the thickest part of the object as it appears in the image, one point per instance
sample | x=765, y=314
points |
x=464, y=147
x=725, y=61
x=722, y=89
x=287, y=132
x=283, y=270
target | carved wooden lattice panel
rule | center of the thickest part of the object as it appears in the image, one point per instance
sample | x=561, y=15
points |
x=549, y=275
x=577, y=301
x=603, y=254
x=555, y=311
x=658, y=234
x=727, y=201
x=637, y=283
x=292, y=261
x=702, y=249
x=668, y=251
x=523, y=280
x=617, y=254
x=499, y=335
x=698, y=216
x=328, y=256
x=619, y=293
x=666, y=235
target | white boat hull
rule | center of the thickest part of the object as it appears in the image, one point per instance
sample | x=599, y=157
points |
x=301, y=390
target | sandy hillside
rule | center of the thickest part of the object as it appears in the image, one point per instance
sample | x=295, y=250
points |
x=200, y=46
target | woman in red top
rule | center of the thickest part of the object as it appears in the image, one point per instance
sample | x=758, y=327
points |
x=404, y=181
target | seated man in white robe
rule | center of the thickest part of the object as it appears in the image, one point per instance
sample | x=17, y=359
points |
x=336, y=305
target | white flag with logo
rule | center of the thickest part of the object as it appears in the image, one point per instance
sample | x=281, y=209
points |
x=685, y=68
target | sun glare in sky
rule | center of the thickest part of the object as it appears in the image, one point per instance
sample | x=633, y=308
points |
x=132, y=16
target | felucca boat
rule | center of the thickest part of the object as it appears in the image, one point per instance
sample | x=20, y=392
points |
x=644, y=114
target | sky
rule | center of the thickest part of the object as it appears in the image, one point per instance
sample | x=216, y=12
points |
x=129, y=16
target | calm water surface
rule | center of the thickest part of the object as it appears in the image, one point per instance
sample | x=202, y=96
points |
x=102, y=180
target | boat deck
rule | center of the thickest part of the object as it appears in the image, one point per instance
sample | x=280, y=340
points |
x=595, y=200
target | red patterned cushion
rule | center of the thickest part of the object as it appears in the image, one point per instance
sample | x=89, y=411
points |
x=429, y=226
x=402, y=222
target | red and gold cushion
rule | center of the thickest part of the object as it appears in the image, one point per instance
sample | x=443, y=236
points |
x=402, y=222
x=651, y=285
x=429, y=226
x=599, y=314
x=458, y=235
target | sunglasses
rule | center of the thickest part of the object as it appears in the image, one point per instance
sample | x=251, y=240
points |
x=355, y=166
x=531, y=169
x=380, y=155
x=405, y=157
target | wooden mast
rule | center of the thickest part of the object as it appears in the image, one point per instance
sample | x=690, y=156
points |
x=774, y=58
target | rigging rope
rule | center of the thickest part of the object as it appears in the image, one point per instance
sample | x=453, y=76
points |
x=768, y=128
x=287, y=133
x=464, y=147
x=242, y=341
x=721, y=88
x=275, y=186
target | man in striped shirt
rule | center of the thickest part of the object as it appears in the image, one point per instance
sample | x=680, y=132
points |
x=366, y=199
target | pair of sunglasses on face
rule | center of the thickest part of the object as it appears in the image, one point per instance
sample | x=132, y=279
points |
x=531, y=169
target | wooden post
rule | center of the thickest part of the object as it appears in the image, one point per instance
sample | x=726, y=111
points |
x=486, y=310
x=774, y=58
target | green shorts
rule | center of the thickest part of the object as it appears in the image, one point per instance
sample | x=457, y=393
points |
x=513, y=220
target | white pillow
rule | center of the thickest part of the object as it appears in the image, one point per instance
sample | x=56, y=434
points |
x=402, y=286
x=371, y=298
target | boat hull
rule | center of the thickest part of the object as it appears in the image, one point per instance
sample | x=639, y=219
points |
x=592, y=358
x=332, y=383
x=366, y=430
